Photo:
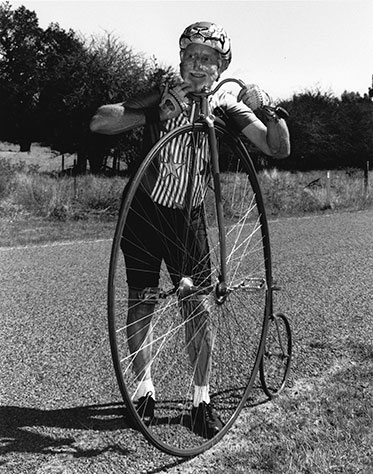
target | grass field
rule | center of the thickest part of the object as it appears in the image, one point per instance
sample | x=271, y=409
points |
x=33, y=196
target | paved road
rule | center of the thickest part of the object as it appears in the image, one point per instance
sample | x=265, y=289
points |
x=60, y=410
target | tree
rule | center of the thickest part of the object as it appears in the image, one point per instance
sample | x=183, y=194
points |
x=120, y=74
x=313, y=130
x=52, y=81
x=65, y=94
x=20, y=37
x=40, y=75
x=355, y=121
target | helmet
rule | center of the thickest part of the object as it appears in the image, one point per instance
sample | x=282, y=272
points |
x=211, y=35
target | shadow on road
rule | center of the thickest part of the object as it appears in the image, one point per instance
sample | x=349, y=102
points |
x=41, y=431
x=95, y=431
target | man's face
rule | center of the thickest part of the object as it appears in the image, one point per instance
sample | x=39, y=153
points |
x=200, y=66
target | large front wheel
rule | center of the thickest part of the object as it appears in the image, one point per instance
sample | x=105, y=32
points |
x=191, y=334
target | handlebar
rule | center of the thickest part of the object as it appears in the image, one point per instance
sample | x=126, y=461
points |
x=231, y=79
x=279, y=111
x=207, y=92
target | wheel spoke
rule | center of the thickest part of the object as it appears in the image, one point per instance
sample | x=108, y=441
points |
x=194, y=334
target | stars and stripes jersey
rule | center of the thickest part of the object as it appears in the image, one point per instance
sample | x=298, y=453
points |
x=169, y=184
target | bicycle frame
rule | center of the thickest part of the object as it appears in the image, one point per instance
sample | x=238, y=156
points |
x=208, y=118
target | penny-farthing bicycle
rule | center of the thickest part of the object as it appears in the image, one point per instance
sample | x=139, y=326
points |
x=239, y=291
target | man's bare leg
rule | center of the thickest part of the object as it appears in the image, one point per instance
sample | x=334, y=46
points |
x=139, y=334
x=199, y=343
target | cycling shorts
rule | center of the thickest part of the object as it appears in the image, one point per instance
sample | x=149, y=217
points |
x=154, y=234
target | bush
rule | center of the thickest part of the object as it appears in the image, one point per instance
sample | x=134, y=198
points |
x=98, y=193
x=7, y=173
x=38, y=194
x=289, y=193
x=22, y=189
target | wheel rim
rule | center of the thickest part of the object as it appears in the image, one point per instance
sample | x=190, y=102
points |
x=238, y=322
x=275, y=364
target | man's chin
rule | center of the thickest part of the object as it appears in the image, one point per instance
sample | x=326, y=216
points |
x=199, y=86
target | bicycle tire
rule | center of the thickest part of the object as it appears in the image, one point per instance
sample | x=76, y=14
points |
x=276, y=360
x=239, y=323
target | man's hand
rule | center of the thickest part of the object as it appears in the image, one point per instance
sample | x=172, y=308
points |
x=174, y=101
x=254, y=97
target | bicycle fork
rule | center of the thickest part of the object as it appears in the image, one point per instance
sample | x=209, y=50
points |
x=221, y=290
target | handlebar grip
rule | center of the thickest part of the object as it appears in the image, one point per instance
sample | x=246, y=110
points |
x=281, y=112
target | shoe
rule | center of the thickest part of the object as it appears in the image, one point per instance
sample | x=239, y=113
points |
x=145, y=407
x=205, y=421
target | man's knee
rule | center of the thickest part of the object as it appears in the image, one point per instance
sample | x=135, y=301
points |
x=148, y=295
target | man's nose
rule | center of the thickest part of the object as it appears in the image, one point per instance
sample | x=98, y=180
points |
x=197, y=63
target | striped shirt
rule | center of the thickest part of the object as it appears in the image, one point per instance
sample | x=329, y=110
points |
x=175, y=160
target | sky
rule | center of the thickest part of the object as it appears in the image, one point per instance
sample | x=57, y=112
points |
x=286, y=47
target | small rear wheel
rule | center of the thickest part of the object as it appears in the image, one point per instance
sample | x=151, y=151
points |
x=275, y=363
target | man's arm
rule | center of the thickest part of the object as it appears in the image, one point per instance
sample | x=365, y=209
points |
x=119, y=118
x=273, y=139
x=116, y=118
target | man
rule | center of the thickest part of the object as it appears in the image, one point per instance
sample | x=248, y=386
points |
x=205, y=52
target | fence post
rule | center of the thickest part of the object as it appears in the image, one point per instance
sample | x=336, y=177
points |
x=328, y=198
x=75, y=187
x=366, y=179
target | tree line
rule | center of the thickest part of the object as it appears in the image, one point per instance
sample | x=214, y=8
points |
x=52, y=81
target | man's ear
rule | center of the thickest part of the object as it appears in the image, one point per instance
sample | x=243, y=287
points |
x=220, y=68
x=181, y=69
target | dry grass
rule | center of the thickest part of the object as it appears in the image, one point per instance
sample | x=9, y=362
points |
x=31, y=189
x=26, y=192
x=296, y=193
x=319, y=426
